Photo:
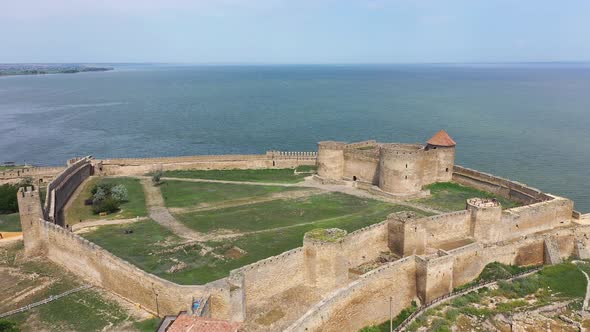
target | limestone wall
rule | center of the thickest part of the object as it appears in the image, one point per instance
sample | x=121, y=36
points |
x=500, y=186
x=63, y=186
x=108, y=271
x=365, y=244
x=364, y=301
x=270, y=276
x=141, y=166
x=16, y=173
x=446, y=227
x=362, y=165
x=536, y=217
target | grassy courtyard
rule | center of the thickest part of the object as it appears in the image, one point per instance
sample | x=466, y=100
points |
x=134, y=207
x=10, y=222
x=179, y=194
x=27, y=281
x=278, y=226
x=450, y=196
x=280, y=175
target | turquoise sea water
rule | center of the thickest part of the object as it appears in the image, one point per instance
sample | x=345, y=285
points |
x=526, y=122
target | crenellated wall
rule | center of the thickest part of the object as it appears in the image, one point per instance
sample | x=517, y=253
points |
x=364, y=301
x=141, y=166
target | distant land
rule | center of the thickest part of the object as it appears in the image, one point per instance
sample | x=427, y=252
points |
x=39, y=69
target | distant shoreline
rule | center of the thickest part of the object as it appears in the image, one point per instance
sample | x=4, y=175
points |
x=22, y=70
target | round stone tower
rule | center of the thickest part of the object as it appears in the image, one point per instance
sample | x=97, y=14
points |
x=443, y=148
x=400, y=168
x=331, y=160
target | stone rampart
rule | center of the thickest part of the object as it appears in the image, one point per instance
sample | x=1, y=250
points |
x=141, y=166
x=500, y=186
x=446, y=227
x=365, y=244
x=364, y=301
x=270, y=276
x=63, y=186
x=110, y=272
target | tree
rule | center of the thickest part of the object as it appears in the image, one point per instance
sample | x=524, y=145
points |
x=157, y=177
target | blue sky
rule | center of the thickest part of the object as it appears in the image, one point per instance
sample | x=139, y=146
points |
x=295, y=31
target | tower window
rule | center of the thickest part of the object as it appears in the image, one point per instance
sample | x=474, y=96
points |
x=406, y=165
x=447, y=169
x=406, y=177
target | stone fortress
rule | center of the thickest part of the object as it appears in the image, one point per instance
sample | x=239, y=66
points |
x=435, y=254
x=397, y=169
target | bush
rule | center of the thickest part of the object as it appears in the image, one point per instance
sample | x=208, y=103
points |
x=108, y=205
x=119, y=192
x=157, y=177
x=8, y=326
x=107, y=197
x=8, y=202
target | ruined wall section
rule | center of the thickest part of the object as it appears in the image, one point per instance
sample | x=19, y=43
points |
x=500, y=186
x=364, y=301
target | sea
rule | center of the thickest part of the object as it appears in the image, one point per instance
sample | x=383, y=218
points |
x=528, y=122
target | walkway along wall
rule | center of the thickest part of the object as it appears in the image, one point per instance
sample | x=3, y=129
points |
x=142, y=166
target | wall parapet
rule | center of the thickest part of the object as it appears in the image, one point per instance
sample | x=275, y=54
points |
x=498, y=185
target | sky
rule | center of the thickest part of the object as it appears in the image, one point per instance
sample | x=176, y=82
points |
x=294, y=31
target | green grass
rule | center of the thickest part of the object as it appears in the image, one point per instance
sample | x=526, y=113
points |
x=450, y=196
x=7, y=168
x=306, y=168
x=185, y=194
x=385, y=327
x=154, y=249
x=134, y=207
x=10, y=222
x=147, y=325
x=552, y=284
x=281, y=175
x=281, y=213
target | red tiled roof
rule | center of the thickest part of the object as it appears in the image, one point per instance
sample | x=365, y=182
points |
x=188, y=323
x=441, y=139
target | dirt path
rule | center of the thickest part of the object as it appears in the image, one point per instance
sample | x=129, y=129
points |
x=160, y=214
x=104, y=222
x=248, y=201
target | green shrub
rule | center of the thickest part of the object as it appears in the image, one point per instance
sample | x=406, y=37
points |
x=451, y=314
x=8, y=202
x=119, y=192
x=8, y=326
x=108, y=205
x=157, y=177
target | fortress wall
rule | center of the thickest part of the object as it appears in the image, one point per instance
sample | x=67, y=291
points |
x=468, y=263
x=63, y=186
x=362, y=144
x=14, y=173
x=446, y=227
x=365, y=301
x=362, y=164
x=366, y=244
x=102, y=268
x=271, y=276
x=500, y=186
x=141, y=166
x=536, y=217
